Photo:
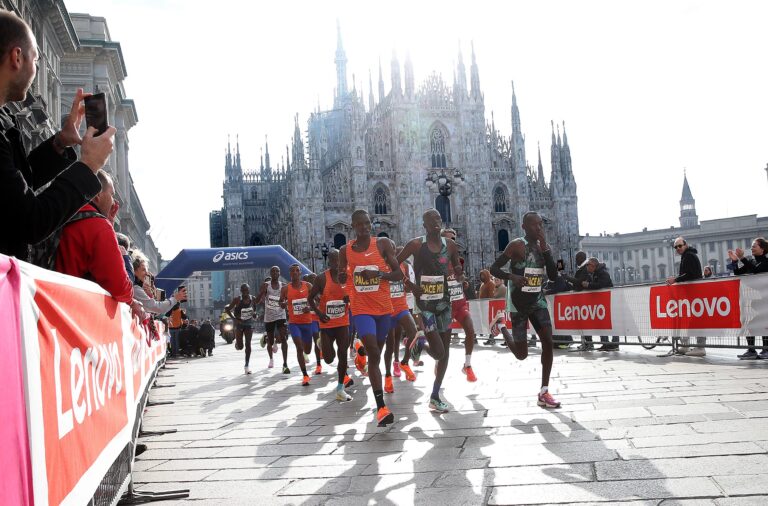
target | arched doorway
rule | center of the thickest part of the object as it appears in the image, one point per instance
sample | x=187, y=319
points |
x=503, y=237
x=443, y=206
x=339, y=240
x=383, y=234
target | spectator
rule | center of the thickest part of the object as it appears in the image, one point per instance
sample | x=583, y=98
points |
x=71, y=183
x=581, y=274
x=125, y=246
x=690, y=270
x=175, y=318
x=755, y=265
x=500, y=291
x=193, y=340
x=139, y=293
x=88, y=247
x=487, y=287
x=207, y=337
x=599, y=279
x=707, y=272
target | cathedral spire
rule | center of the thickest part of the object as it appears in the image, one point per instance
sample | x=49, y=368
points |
x=381, y=83
x=228, y=157
x=341, y=65
x=475, y=77
x=237, y=154
x=397, y=89
x=370, y=91
x=408, y=76
x=267, y=164
x=565, y=160
x=298, y=145
x=516, y=128
x=540, y=172
x=461, y=76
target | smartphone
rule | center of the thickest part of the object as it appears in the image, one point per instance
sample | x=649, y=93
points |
x=96, y=112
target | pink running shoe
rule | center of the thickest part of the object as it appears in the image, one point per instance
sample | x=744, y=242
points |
x=396, y=369
x=547, y=401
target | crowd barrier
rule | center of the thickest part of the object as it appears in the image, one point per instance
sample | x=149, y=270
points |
x=720, y=308
x=76, y=370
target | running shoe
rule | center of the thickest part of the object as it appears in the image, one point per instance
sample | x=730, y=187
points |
x=388, y=386
x=748, y=355
x=467, y=369
x=286, y=370
x=210, y=353
x=396, y=369
x=409, y=375
x=360, y=363
x=247, y=370
x=547, y=401
x=305, y=381
x=318, y=369
x=384, y=416
x=343, y=396
x=418, y=347
x=271, y=363
x=263, y=341
x=348, y=382
x=438, y=406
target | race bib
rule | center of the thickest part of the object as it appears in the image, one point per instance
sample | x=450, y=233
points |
x=298, y=306
x=273, y=303
x=335, y=309
x=246, y=313
x=432, y=287
x=535, y=278
x=396, y=289
x=455, y=290
x=363, y=285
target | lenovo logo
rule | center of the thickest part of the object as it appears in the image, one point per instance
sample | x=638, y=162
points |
x=579, y=311
x=696, y=306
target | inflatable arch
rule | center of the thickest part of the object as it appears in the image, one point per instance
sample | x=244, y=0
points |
x=224, y=259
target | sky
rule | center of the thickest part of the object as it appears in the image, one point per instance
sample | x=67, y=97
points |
x=647, y=89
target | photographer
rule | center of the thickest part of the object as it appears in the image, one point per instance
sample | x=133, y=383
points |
x=756, y=265
x=143, y=285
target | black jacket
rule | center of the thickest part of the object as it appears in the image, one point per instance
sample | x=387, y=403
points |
x=690, y=266
x=601, y=278
x=29, y=218
x=754, y=265
x=206, y=335
x=582, y=274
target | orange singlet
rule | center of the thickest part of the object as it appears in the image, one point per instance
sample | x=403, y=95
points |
x=397, y=293
x=297, y=301
x=333, y=305
x=371, y=297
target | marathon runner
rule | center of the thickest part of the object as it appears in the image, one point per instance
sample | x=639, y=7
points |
x=433, y=258
x=372, y=266
x=241, y=310
x=402, y=321
x=294, y=296
x=334, y=320
x=460, y=313
x=530, y=262
x=274, y=318
x=311, y=278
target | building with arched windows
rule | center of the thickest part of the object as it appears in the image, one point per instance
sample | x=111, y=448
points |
x=397, y=154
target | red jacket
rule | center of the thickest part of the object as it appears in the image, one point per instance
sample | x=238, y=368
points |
x=88, y=249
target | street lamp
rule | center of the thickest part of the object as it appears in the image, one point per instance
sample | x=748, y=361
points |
x=324, y=250
x=443, y=182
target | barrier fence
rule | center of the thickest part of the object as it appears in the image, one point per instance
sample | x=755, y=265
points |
x=724, y=310
x=76, y=372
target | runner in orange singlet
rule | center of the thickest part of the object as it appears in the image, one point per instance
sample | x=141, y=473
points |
x=294, y=296
x=311, y=278
x=372, y=266
x=334, y=320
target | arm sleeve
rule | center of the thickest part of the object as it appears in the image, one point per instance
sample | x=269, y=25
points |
x=748, y=266
x=107, y=266
x=151, y=305
x=549, y=263
x=46, y=163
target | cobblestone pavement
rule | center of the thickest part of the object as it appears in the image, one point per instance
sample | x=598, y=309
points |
x=633, y=428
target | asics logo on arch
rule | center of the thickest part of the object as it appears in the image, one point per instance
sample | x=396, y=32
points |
x=240, y=255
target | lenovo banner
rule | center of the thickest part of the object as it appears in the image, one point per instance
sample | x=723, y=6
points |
x=582, y=311
x=696, y=306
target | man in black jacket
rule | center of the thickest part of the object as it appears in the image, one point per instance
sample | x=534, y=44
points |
x=600, y=278
x=577, y=280
x=207, y=336
x=30, y=218
x=690, y=270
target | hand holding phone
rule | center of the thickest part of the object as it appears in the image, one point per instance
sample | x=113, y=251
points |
x=96, y=112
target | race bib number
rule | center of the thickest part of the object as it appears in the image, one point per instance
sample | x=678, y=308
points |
x=455, y=290
x=432, y=287
x=535, y=278
x=273, y=303
x=246, y=313
x=363, y=285
x=298, y=306
x=335, y=309
x=396, y=289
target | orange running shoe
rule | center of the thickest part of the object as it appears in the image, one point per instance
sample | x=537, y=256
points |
x=305, y=381
x=388, y=386
x=318, y=369
x=360, y=361
x=409, y=374
x=384, y=417
x=348, y=382
x=467, y=369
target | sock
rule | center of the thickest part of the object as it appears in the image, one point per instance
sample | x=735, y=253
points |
x=467, y=360
x=436, y=392
x=388, y=375
x=544, y=390
x=379, y=396
x=340, y=387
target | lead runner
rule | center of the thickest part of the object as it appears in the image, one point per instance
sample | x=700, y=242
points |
x=530, y=260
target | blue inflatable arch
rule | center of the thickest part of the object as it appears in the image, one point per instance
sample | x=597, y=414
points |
x=224, y=259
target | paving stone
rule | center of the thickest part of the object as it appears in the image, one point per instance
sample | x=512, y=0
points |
x=379, y=483
x=273, y=473
x=697, y=439
x=745, y=484
x=689, y=409
x=680, y=467
x=166, y=476
x=754, y=500
x=213, y=463
x=690, y=451
x=251, y=490
x=316, y=486
x=528, y=475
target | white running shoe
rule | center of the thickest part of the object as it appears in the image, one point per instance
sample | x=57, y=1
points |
x=247, y=370
x=271, y=364
x=343, y=396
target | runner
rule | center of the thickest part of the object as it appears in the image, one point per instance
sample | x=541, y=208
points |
x=243, y=307
x=311, y=278
x=334, y=320
x=530, y=260
x=433, y=254
x=460, y=313
x=402, y=321
x=372, y=265
x=274, y=318
x=294, y=296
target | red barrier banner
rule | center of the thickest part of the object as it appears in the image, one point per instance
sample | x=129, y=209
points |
x=696, y=306
x=583, y=310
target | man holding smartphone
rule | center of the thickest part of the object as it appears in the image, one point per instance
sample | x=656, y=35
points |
x=72, y=183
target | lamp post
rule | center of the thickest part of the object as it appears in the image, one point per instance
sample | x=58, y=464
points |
x=324, y=250
x=443, y=182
